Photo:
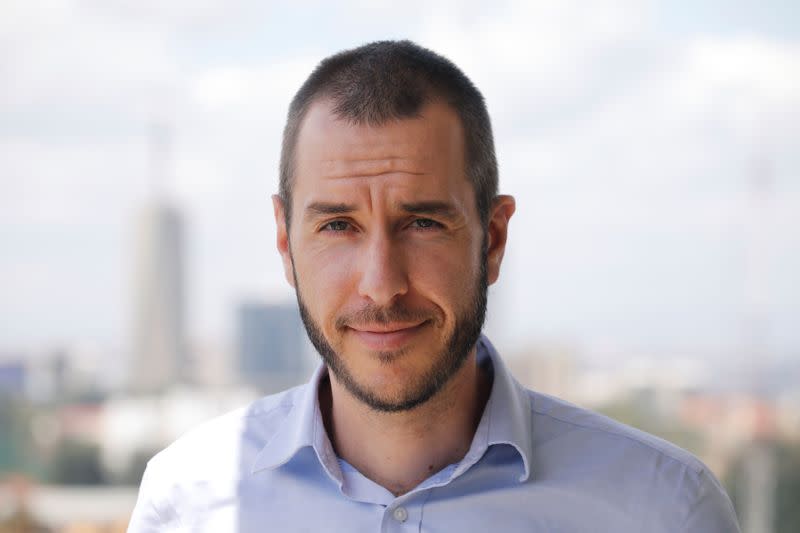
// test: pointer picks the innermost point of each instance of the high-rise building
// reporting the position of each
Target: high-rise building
(271, 345)
(159, 356)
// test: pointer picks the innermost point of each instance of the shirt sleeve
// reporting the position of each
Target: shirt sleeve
(712, 511)
(152, 512)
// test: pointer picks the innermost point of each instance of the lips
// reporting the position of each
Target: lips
(386, 337)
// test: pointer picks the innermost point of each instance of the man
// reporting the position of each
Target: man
(391, 229)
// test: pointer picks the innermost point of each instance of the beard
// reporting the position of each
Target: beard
(446, 363)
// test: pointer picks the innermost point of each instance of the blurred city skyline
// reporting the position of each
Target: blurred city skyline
(629, 132)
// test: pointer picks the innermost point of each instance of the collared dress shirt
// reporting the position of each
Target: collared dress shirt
(536, 464)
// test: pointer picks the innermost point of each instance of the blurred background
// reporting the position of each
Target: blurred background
(652, 270)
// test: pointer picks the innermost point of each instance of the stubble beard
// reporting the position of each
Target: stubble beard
(447, 363)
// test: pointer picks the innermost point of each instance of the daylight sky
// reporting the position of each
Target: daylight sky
(629, 132)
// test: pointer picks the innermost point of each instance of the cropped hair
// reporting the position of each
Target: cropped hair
(390, 80)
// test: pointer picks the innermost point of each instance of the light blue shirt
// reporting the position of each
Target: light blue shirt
(536, 464)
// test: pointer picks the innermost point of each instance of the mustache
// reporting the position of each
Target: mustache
(371, 314)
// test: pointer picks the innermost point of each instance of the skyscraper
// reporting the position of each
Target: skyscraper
(271, 345)
(159, 338)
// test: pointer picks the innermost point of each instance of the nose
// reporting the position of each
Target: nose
(383, 271)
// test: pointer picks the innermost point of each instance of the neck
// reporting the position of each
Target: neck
(407, 447)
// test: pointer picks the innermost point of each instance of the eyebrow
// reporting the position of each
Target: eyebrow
(325, 208)
(435, 207)
(442, 209)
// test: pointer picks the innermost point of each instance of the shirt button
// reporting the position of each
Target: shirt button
(400, 514)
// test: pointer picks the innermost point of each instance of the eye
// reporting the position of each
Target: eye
(425, 223)
(336, 226)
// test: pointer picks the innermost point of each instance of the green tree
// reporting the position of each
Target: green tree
(15, 437)
(787, 486)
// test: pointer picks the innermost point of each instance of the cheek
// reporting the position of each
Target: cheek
(325, 278)
(318, 262)
(445, 276)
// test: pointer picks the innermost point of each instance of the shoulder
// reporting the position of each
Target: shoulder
(207, 462)
(223, 445)
(626, 467)
(555, 417)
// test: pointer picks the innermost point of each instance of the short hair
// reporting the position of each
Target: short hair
(390, 80)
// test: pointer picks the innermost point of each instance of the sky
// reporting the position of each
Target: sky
(629, 132)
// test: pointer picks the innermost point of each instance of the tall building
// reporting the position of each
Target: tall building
(159, 356)
(271, 345)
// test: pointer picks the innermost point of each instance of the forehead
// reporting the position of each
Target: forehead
(423, 153)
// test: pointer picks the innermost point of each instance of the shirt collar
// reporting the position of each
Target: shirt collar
(302, 428)
(506, 420)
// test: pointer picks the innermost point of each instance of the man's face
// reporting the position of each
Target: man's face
(386, 252)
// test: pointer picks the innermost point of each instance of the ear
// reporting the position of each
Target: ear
(282, 238)
(497, 233)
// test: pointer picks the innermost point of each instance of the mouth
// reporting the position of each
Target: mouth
(386, 337)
